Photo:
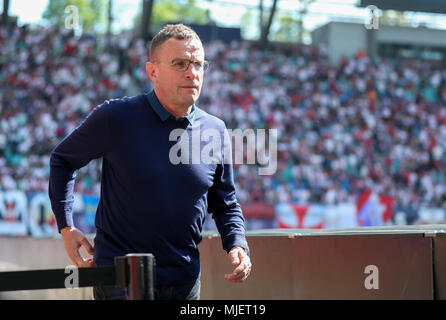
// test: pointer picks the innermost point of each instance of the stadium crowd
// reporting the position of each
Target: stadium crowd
(341, 128)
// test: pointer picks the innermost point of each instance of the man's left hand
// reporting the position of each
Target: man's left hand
(242, 263)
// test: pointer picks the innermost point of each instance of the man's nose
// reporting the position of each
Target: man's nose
(192, 71)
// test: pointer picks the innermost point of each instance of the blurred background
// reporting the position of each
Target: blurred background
(355, 88)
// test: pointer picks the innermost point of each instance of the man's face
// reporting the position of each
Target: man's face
(176, 89)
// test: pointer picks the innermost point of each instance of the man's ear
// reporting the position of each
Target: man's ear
(151, 70)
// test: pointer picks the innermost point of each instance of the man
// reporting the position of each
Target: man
(149, 204)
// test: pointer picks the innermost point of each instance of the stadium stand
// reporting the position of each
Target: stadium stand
(343, 128)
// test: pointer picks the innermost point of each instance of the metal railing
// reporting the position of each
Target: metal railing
(133, 272)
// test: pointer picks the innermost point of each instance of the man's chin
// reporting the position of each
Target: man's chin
(190, 100)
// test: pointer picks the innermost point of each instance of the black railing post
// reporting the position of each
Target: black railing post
(136, 273)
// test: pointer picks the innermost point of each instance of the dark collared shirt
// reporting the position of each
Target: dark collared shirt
(163, 113)
(147, 204)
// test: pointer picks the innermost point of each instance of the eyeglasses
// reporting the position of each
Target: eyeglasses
(183, 64)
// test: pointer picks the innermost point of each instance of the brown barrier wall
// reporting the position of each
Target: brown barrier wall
(325, 267)
(439, 265)
(362, 263)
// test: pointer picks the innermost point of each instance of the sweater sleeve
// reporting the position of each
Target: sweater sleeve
(223, 204)
(87, 142)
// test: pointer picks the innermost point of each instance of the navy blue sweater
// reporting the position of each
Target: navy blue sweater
(147, 203)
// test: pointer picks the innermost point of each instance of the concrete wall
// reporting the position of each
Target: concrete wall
(345, 39)
(414, 36)
(406, 263)
(340, 39)
(29, 254)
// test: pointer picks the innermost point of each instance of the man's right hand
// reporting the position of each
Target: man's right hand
(73, 239)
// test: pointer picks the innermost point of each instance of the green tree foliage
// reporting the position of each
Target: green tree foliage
(185, 11)
(249, 26)
(92, 13)
(286, 25)
(285, 29)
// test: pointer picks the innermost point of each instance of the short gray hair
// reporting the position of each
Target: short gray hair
(177, 31)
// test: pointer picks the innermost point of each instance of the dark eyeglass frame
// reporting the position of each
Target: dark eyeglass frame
(198, 65)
